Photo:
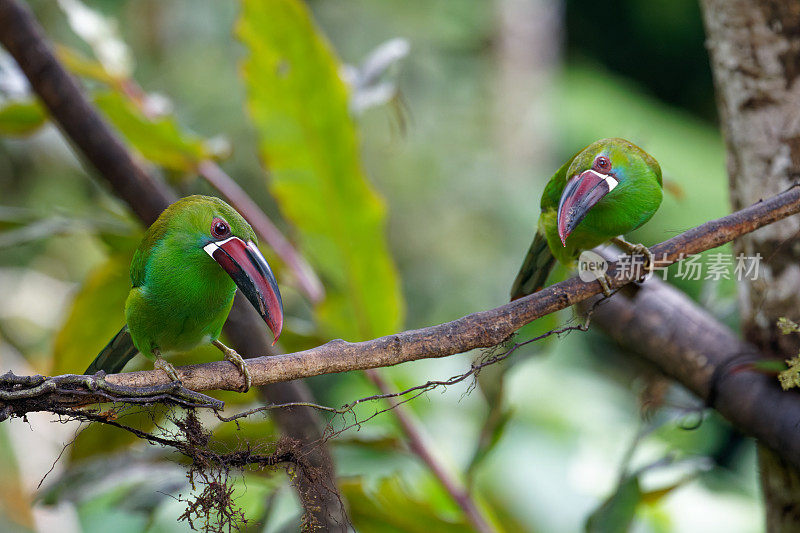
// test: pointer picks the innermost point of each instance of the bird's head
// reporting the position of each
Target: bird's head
(207, 224)
(607, 172)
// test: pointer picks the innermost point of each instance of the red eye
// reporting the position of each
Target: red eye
(602, 163)
(220, 228)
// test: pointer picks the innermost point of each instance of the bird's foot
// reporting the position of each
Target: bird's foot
(233, 356)
(166, 367)
(636, 249)
(605, 283)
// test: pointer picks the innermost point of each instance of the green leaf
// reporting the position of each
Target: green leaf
(389, 508)
(299, 105)
(159, 140)
(96, 315)
(21, 118)
(83, 66)
(618, 511)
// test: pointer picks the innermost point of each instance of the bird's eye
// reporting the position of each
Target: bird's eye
(220, 228)
(602, 164)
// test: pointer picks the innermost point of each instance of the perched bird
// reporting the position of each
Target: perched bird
(184, 276)
(606, 190)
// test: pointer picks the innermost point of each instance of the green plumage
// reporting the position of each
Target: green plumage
(180, 297)
(629, 205)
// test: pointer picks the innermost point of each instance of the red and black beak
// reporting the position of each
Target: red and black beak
(580, 195)
(251, 273)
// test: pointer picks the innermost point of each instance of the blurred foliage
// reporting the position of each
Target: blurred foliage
(389, 507)
(160, 139)
(21, 118)
(299, 104)
(15, 505)
(541, 444)
(97, 312)
(618, 511)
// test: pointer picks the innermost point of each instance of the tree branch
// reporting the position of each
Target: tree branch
(478, 330)
(665, 327)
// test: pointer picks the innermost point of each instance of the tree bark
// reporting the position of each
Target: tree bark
(754, 47)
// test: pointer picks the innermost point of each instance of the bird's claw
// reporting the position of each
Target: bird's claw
(237, 360)
(605, 283)
(166, 367)
(233, 356)
(635, 249)
(649, 259)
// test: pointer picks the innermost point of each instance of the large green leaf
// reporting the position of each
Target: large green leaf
(308, 139)
(21, 118)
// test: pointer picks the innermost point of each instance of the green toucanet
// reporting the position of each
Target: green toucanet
(606, 190)
(184, 276)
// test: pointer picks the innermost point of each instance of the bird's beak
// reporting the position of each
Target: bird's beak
(251, 273)
(580, 195)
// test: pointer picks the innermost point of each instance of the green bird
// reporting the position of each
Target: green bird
(184, 275)
(606, 190)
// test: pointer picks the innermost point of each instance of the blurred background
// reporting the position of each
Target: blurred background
(472, 107)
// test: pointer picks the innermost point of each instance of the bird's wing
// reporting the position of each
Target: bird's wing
(152, 237)
(535, 269)
(137, 268)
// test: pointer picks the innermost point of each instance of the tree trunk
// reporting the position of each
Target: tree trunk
(754, 47)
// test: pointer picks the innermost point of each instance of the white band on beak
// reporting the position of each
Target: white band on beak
(610, 181)
(211, 247)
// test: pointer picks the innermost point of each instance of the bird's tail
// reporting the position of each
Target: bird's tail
(115, 355)
(534, 271)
